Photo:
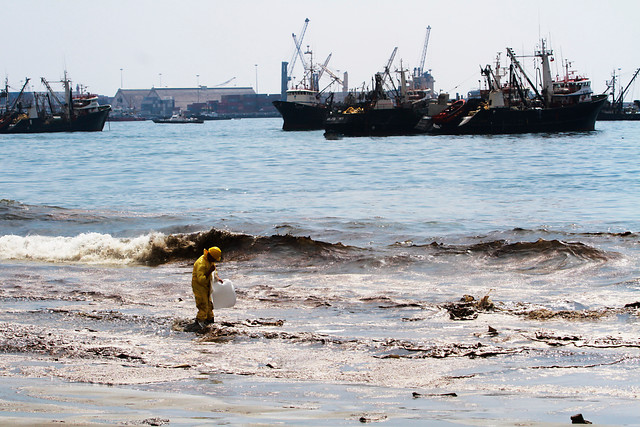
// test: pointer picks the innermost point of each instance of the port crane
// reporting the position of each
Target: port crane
(332, 74)
(313, 75)
(298, 52)
(226, 83)
(417, 72)
(323, 67)
(389, 63)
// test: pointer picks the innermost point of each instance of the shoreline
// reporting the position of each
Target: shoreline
(241, 400)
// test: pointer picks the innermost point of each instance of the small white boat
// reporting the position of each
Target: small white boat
(179, 118)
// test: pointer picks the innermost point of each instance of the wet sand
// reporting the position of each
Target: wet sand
(239, 401)
(252, 372)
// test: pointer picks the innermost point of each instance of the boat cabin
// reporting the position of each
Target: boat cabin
(303, 96)
(571, 90)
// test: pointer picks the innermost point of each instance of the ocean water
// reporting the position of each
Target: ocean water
(351, 259)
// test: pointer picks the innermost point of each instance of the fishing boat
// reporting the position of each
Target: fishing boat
(179, 119)
(616, 108)
(519, 106)
(46, 113)
(376, 115)
(125, 116)
(305, 106)
(380, 112)
(303, 110)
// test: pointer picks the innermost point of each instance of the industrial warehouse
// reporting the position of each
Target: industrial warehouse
(202, 101)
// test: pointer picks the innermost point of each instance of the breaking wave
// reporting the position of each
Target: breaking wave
(90, 248)
(541, 247)
(22, 223)
(157, 248)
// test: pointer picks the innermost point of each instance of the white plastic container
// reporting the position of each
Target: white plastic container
(223, 294)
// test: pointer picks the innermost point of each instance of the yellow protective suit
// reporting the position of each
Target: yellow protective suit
(201, 286)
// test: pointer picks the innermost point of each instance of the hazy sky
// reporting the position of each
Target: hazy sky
(170, 43)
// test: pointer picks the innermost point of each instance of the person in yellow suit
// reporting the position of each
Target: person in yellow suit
(203, 268)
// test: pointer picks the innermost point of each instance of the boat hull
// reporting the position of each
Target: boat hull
(86, 122)
(578, 117)
(297, 116)
(383, 122)
(609, 116)
(179, 122)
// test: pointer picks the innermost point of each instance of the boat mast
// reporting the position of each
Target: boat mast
(613, 87)
(497, 73)
(53, 95)
(566, 70)
(6, 93)
(547, 82)
(26, 81)
(493, 78)
(620, 99)
(67, 94)
(382, 77)
(515, 62)
(313, 85)
(403, 83)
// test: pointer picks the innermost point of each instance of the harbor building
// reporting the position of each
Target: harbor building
(202, 100)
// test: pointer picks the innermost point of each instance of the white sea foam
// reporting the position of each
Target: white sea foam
(90, 248)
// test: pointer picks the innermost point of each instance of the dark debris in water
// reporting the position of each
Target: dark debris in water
(155, 421)
(417, 395)
(224, 330)
(30, 339)
(557, 340)
(112, 352)
(263, 322)
(409, 350)
(372, 418)
(316, 302)
(467, 308)
(579, 419)
(108, 316)
(546, 314)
